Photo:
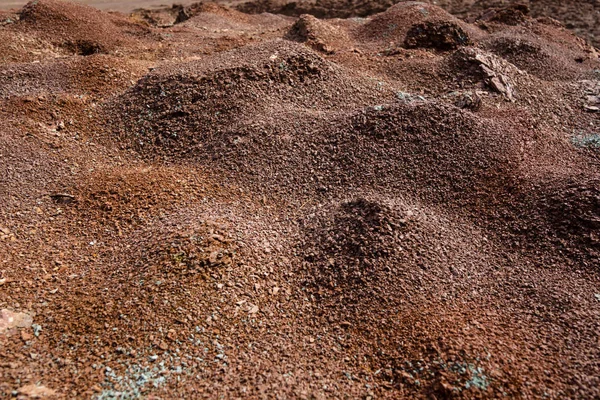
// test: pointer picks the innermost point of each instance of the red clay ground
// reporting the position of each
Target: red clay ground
(203, 203)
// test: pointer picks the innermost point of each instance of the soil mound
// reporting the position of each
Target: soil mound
(229, 89)
(381, 269)
(220, 20)
(425, 23)
(82, 75)
(514, 14)
(441, 36)
(582, 17)
(78, 28)
(369, 249)
(538, 56)
(425, 138)
(572, 208)
(319, 35)
(349, 243)
(317, 8)
(177, 13)
(16, 47)
(254, 206)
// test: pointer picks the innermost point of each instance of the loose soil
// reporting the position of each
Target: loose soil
(209, 201)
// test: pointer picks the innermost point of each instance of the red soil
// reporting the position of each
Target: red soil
(237, 205)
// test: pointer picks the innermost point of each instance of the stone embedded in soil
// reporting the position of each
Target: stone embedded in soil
(497, 74)
(437, 35)
(10, 319)
(470, 101)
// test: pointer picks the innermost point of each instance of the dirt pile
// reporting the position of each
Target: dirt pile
(318, 8)
(222, 96)
(317, 34)
(349, 246)
(79, 29)
(377, 268)
(416, 24)
(441, 36)
(581, 17)
(222, 204)
(81, 76)
(570, 208)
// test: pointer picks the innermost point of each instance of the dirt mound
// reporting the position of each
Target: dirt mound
(539, 56)
(15, 47)
(514, 14)
(579, 16)
(317, 8)
(384, 270)
(349, 243)
(378, 247)
(441, 36)
(254, 206)
(228, 90)
(317, 34)
(78, 28)
(82, 76)
(393, 25)
(367, 253)
(355, 149)
(572, 208)
(220, 19)
(176, 14)
(425, 139)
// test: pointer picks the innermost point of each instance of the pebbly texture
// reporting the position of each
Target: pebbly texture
(199, 202)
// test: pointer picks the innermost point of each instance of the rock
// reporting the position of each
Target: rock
(36, 392)
(591, 95)
(9, 320)
(26, 336)
(436, 35)
(470, 101)
(213, 258)
(37, 329)
(497, 73)
(172, 335)
(63, 198)
(96, 388)
(163, 346)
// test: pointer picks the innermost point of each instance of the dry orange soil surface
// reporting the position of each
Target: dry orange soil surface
(198, 202)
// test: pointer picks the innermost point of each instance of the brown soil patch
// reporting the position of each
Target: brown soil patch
(202, 202)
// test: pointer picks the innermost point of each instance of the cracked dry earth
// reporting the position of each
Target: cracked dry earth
(405, 205)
